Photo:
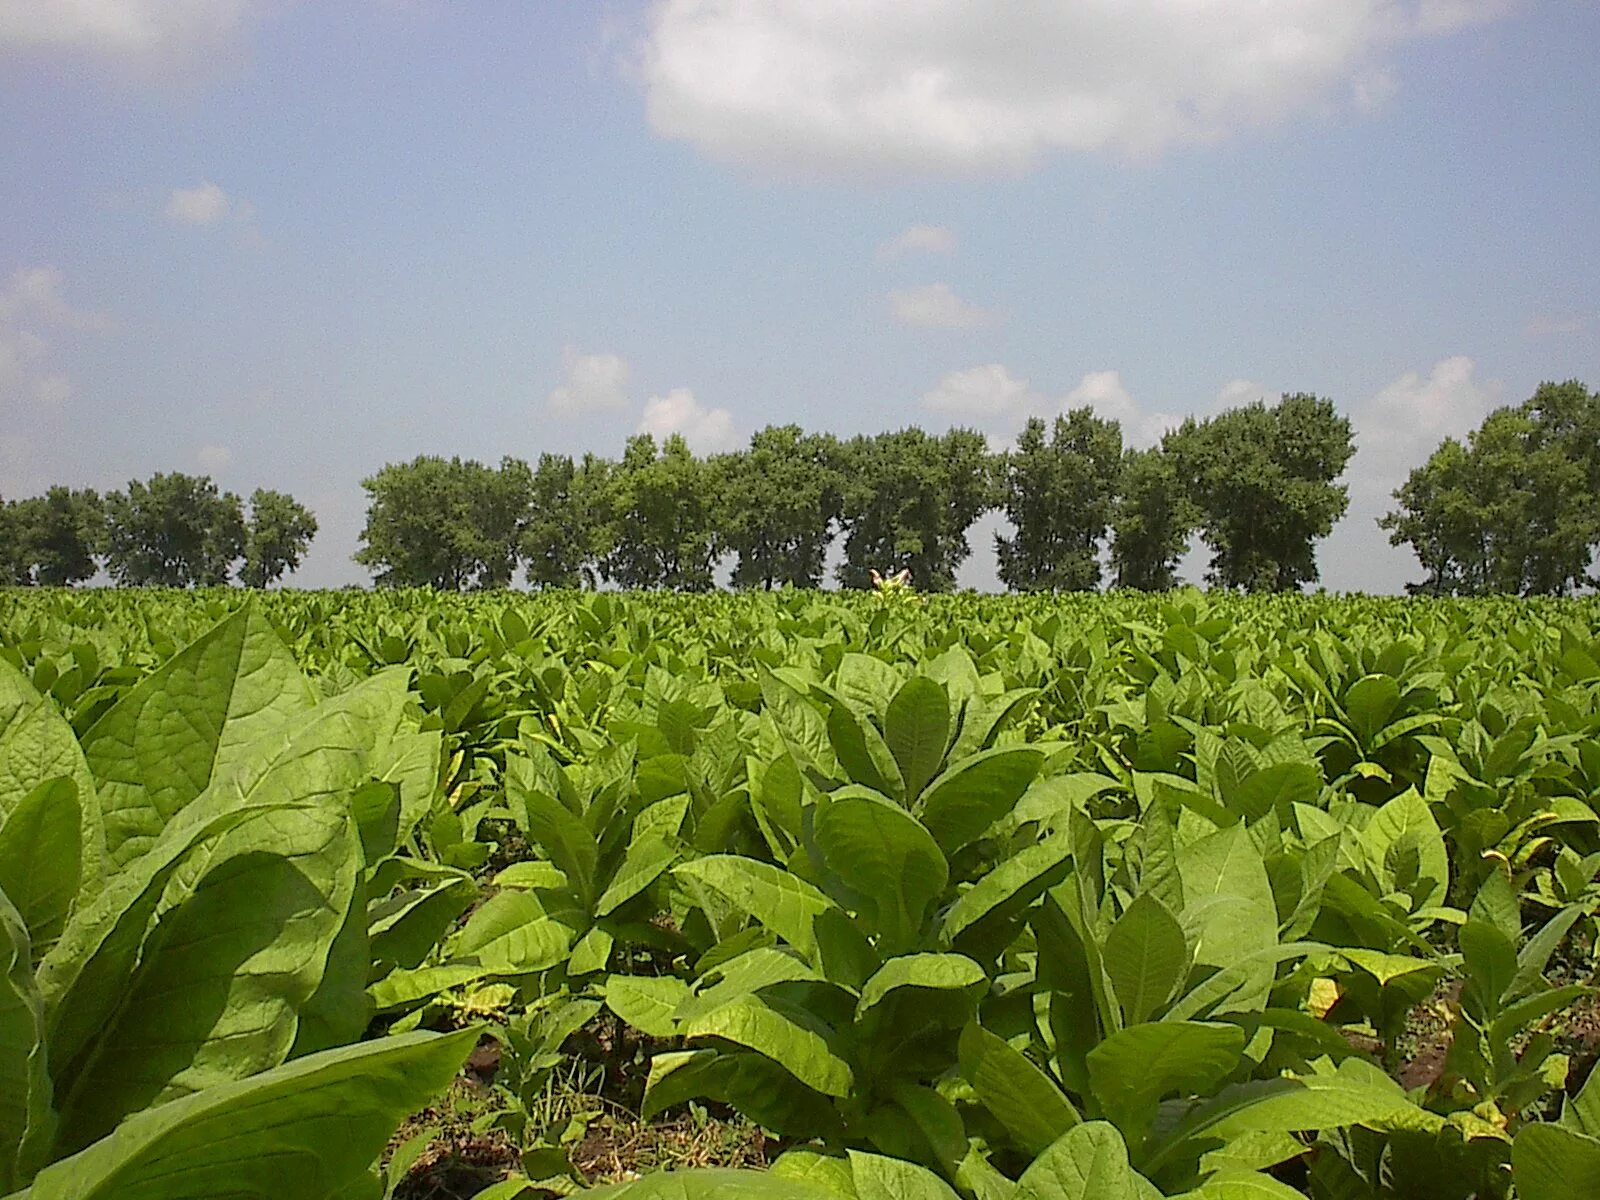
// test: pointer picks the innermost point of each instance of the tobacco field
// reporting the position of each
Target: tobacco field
(869, 897)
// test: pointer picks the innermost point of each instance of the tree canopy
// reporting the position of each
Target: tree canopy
(1060, 496)
(661, 518)
(441, 523)
(1263, 484)
(1516, 509)
(781, 501)
(1151, 522)
(174, 530)
(277, 537)
(909, 498)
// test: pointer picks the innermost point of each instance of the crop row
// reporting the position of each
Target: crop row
(1007, 898)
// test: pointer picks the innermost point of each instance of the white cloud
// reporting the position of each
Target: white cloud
(1446, 16)
(1400, 426)
(707, 430)
(985, 394)
(590, 381)
(936, 306)
(961, 86)
(203, 204)
(1396, 429)
(994, 399)
(145, 33)
(213, 458)
(36, 293)
(33, 299)
(1238, 392)
(919, 239)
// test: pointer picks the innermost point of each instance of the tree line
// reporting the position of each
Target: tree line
(1257, 483)
(1513, 509)
(172, 530)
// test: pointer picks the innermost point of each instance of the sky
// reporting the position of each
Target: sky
(283, 242)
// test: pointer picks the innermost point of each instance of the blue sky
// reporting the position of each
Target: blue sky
(286, 242)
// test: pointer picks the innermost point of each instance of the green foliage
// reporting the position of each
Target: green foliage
(909, 499)
(183, 903)
(780, 501)
(559, 540)
(1060, 497)
(660, 525)
(994, 898)
(1262, 482)
(276, 539)
(1515, 510)
(445, 524)
(173, 531)
(1152, 520)
(58, 537)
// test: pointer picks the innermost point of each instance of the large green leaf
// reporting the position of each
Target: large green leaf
(1134, 1068)
(309, 1129)
(555, 829)
(975, 792)
(785, 1033)
(1146, 956)
(1354, 1093)
(37, 745)
(1549, 1162)
(26, 1114)
(917, 730)
(936, 972)
(649, 1003)
(1088, 1162)
(1022, 1097)
(1369, 704)
(339, 1011)
(41, 845)
(323, 753)
(223, 974)
(642, 864)
(1405, 849)
(739, 976)
(888, 858)
(876, 1177)
(785, 904)
(215, 704)
(512, 935)
(84, 976)
(1010, 886)
(1243, 1185)
(752, 1083)
(1229, 914)
(862, 752)
(712, 1184)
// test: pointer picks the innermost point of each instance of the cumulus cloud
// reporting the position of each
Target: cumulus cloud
(707, 430)
(1402, 424)
(919, 239)
(936, 306)
(964, 86)
(995, 400)
(140, 33)
(203, 204)
(1237, 392)
(1396, 429)
(990, 393)
(590, 381)
(213, 458)
(38, 293)
(34, 299)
